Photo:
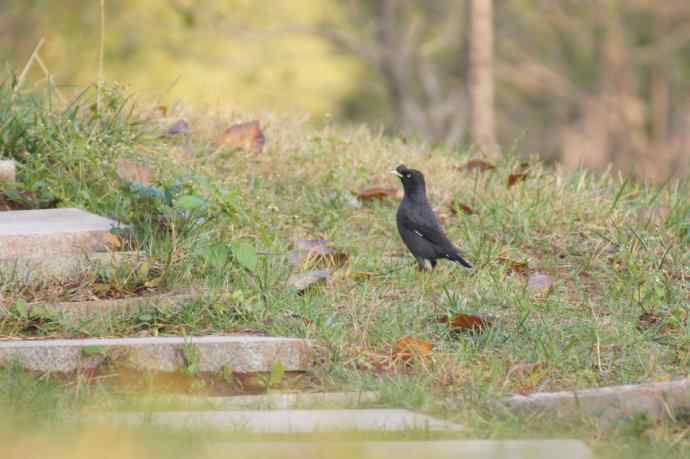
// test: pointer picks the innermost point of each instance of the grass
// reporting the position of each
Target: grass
(616, 249)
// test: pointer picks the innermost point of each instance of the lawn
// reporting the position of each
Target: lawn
(615, 252)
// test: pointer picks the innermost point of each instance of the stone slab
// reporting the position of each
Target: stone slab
(8, 170)
(273, 401)
(449, 449)
(109, 309)
(608, 404)
(48, 232)
(63, 267)
(288, 421)
(240, 354)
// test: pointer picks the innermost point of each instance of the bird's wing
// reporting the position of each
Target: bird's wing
(424, 224)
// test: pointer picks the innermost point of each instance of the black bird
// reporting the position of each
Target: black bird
(418, 226)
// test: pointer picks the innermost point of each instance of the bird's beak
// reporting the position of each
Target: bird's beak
(394, 172)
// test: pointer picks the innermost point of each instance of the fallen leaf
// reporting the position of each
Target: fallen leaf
(513, 266)
(316, 251)
(666, 321)
(520, 174)
(113, 241)
(455, 206)
(465, 322)
(521, 370)
(362, 275)
(247, 136)
(476, 165)
(540, 282)
(647, 320)
(129, 171)
(376, 192)
(305, 280)
(513, 179)
(179, 127)
(407, 348)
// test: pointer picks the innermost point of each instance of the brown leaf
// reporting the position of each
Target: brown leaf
(667, 321)
(179, 127)
(112, 241)
(302, 281)
(516, 178)
(476, 165)
(647, 320)
(407, 348)
(513, 266)
(466, 322)
(130, 171)
(456, 205)
(376, 192)
(540, 282)
(316, 251)
(247, 136)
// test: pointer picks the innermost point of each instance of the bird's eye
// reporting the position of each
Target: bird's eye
(408, 175)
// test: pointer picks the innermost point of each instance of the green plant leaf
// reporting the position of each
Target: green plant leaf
(277, 373)
(190, 202)
(21, 308)
(246, 256)
(93, 350)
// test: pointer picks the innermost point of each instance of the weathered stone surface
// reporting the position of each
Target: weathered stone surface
(450, 449)
(608, 404)
(109, 309)
(289, 421)
(7, 171)
(240, 354)
(49, 232)
(62, 267)
(269, 401)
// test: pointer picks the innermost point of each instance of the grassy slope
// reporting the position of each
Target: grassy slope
(615, 249)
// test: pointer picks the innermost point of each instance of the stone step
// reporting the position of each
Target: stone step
(61, 267)
(286, 421)
(8, 170)
(239, 354)
(608, 404)
(444, 449)
(272, 401)
(46, 233)
(109, 309)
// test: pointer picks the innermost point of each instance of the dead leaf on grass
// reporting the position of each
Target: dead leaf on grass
(456, 206)
(476, 165)
(514, 179)
(666, 321)
(130, 171)
(376, 192)
(521, 370)
(540, 282)
(520, 175)
(179, 127)
(408, 348)
(314, 252)
(303, 281)
(112, 241)
(513, 266)
(247, 136)
(466, 322)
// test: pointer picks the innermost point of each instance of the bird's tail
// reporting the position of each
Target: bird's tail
(457, 258)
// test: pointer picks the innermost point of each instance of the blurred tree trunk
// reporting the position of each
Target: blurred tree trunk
(480, 82)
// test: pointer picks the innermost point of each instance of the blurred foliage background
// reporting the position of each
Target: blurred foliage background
(593, 82)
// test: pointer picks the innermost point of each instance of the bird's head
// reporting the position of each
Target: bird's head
(412, 180)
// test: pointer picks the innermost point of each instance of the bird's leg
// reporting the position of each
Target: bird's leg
(421, 264)
(433, 263)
